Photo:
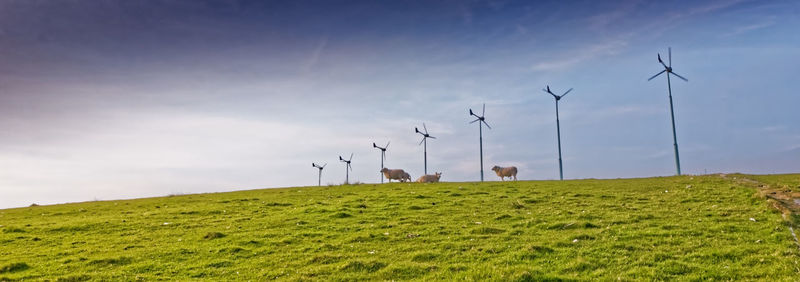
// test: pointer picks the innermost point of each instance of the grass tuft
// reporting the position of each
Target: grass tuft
(14, 267)
(74, 278)
(488, 230)
(13, 230)
(111, 261)
(220, 264)
(359, 266)
(424, 257)
(341, 215)
(213, 235)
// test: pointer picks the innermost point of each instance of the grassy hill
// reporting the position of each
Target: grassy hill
(701, 227)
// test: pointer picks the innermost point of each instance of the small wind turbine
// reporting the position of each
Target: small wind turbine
(425, 137)
(668, 70)
(383, 155)
(482, 120)
(319, 180)
(558, 128)
(348, 168)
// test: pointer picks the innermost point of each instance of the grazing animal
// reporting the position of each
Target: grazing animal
(430, 178)
(396, 174)
(504, 172)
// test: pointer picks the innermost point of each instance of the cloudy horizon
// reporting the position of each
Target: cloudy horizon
(120, 99)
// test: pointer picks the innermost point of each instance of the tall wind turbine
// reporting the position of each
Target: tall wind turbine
(383, 155)
(558, 129)
(348, 168)
(425, 137)
(481, 120)
(668, 70)
(319, 179)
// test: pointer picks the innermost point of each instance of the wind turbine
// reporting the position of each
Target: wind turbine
(425, 137)
(348, 168)
(383, 155)
(482, 120)
(319, 180)
(668, 70)
(558, 128)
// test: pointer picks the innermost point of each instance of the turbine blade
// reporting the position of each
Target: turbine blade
(387, 145)
(659, 73)
(431, 137)
(323, 166)
(351, 157)
(487, 124)
(565, 93)
(420, 141)
(426, 128)
(547, 90)
(474, 121)
(483, 113)
(681, 77)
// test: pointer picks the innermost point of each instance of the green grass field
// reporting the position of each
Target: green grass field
(670, 228)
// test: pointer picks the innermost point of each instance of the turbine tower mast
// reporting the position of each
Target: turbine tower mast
(383, 155)
(425, 137)
(668, 70)
(481, 121)
(347, 168)
(558, 129)
(319, 178)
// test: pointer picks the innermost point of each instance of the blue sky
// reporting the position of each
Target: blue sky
(120, 99)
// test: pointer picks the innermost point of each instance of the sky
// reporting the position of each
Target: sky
(104, 100)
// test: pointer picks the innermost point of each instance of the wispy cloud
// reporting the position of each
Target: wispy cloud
(773, 128)
(618, 111)
(712, 7)
(793, 147)
(751, 27)
(603, 20)
(314, 57)
(579, 55)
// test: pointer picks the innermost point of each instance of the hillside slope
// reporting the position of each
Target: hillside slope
(701, 227)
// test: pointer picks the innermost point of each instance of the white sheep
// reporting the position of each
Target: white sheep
(430, 178)
(397, 174)
(504, 172)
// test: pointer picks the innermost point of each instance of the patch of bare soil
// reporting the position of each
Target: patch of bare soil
(781, 198)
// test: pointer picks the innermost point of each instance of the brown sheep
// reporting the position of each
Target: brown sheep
(430, 178)
(504, 172)
(397, 174)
